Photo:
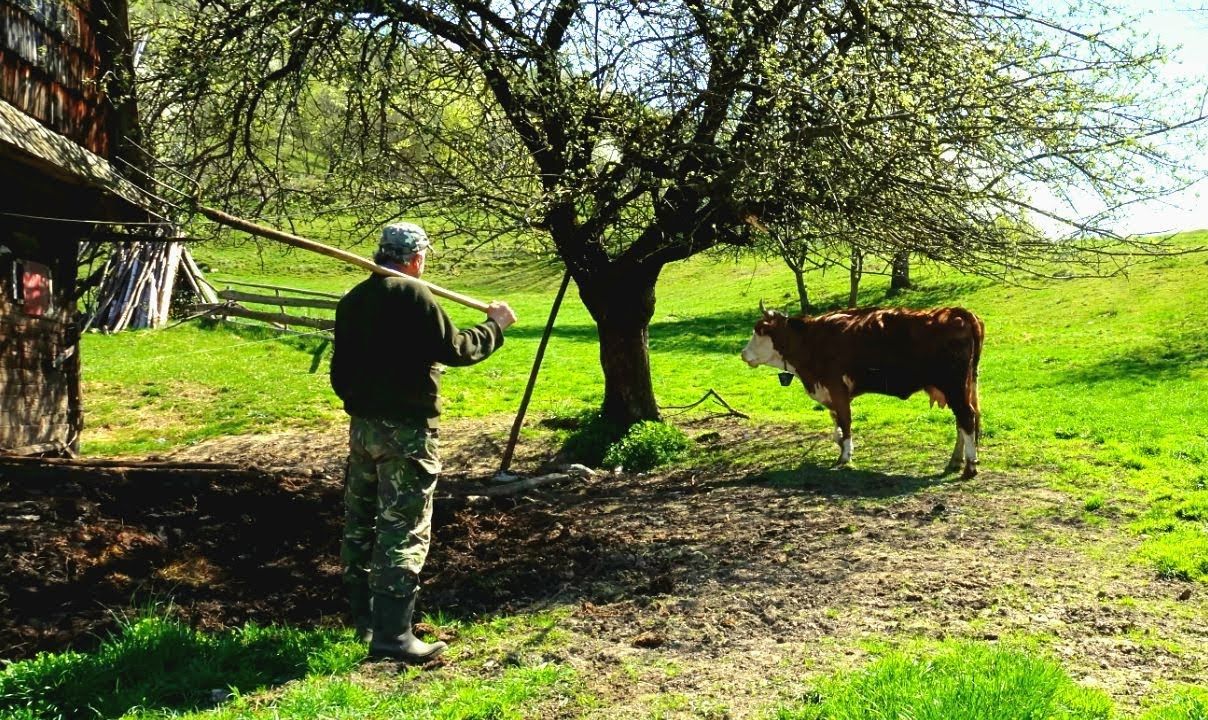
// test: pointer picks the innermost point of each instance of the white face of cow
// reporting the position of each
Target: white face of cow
(760, 351)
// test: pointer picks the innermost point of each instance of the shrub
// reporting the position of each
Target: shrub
(589, 437)
(645, 446)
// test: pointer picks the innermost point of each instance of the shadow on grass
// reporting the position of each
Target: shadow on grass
(719, 333)
(313, 342)
(159, 664)
(926, 296)
(922, 296)
(1168, 358)
(851, 482)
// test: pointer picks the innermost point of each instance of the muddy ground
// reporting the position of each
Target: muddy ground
(718, 585)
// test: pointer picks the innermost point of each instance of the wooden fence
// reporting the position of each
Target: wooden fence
(235, 302)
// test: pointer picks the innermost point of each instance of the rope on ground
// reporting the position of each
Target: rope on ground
(711, 393)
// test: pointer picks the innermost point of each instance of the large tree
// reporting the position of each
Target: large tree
(635, 133)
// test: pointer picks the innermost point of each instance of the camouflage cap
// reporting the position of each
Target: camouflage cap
(403, 239)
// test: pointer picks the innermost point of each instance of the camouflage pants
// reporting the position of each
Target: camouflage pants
(391, 478)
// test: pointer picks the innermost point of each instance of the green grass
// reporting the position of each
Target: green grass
(508, 697)
(1186, 703)
(954, 679)
(972, 681)
(157, 667)
(155, 663)
(147, 391)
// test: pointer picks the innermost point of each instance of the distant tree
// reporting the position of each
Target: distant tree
(899, 277)
(635, 133)
(855, 271)
(801, 249)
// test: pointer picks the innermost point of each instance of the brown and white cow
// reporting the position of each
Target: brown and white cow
(890, 351)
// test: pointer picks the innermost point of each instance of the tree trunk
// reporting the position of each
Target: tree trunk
(802, 292)
(625, 358)
(857, 270)
(900, 277)
(622, 309)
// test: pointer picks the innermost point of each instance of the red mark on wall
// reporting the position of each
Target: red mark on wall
(35, 288)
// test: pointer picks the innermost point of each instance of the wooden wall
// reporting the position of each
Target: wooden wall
(50, 68)
(61, 64)
(39, 353)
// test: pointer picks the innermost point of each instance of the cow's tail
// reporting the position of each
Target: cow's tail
(979, 336)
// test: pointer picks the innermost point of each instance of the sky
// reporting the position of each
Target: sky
(1182, 23)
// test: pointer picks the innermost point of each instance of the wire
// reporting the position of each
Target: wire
(150, 194)
(89, 222)
(167, 167)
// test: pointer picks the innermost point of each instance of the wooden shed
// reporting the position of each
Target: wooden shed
(59, 132)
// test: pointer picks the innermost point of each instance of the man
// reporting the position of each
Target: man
(391, 340)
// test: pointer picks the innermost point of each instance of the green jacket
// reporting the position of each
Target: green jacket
(391, 340)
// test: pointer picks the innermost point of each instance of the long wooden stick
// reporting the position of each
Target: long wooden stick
(532, 381)
(300, 242)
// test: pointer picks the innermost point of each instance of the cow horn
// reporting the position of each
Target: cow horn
(762, 309)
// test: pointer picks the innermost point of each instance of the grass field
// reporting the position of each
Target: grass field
(1100, 383)
(1094, 390)
(164, 669)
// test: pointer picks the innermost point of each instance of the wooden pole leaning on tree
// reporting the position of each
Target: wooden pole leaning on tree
(506, 463)
(247, 226)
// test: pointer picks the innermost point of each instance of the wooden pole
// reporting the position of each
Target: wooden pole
(300, 242)
(205, 291)
(281, 301)
(282, 288)
(268, 317)
(165, 292)
(532, 381)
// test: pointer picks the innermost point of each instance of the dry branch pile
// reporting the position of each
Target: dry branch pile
(138, 283)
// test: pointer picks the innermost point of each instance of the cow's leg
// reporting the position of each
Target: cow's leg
(958, 453)
(966, 434)
(841, 411)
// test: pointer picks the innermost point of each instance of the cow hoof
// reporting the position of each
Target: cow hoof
(969, 473)
(951, 468)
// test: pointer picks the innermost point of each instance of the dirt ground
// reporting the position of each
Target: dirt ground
(714, 585)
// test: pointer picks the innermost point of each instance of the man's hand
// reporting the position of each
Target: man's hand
(501, 313)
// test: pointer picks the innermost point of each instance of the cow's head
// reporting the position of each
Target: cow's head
(760, 350)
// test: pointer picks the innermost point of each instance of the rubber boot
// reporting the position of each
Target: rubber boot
(392, 635)
(361, 604)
